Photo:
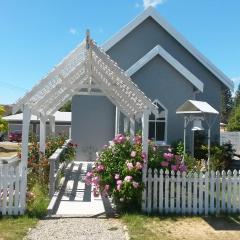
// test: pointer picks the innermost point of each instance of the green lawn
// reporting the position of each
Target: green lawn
(15, 228)
(178, 228)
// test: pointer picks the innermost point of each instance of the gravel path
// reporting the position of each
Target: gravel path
(78, 228)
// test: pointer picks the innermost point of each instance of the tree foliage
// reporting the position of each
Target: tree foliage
(234, 120)
(237, 97)
(227, 105)
(3, 123)
(67, 107)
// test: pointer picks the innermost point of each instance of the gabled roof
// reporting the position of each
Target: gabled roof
(193, 106)
(86, 70)
(158, 50)
(151, 12)
(59, 117)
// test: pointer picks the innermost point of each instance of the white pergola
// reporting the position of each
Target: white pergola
(87, 70)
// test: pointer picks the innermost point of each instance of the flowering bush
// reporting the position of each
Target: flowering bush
(118, 169)
(38, 164)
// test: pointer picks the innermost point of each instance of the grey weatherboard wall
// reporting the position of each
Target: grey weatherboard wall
(157, 79)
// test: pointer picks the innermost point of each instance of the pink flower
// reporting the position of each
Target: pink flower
(168, 156)
(135, 184)
(128, 178)
(138, 165)
(100, 168)
(144, 156)
(117, 176)
(138, 140)
(119, 182)
(119, 138)
(182, 168)
(95, 180)
(174, 167)
(129, 165)
(164, 164)
(87, 181)
(119, 187)
(133, 154)
(89, 174)
(154, 148)
(178, 158)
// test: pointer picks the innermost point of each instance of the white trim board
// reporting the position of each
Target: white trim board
(151, 12)
(158, 50)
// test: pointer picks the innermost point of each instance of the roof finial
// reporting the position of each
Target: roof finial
(87, 38)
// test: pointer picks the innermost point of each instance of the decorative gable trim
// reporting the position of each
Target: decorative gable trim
(151, 12)
(158, 50)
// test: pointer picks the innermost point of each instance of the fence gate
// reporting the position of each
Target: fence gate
(12, 194)
(192, 193)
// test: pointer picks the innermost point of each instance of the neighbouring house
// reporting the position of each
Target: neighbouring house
(163, 67)
(62, 121)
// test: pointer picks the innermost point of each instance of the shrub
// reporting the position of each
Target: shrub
(37, 201)
(118, 169)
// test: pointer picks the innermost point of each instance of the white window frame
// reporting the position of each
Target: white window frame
(164, 142)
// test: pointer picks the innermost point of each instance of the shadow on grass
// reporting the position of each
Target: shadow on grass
(224, 223)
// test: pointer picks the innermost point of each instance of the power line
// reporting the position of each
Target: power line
(12, 86)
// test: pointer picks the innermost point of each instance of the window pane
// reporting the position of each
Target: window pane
(151, 133)
(152, 117)
(160, 131)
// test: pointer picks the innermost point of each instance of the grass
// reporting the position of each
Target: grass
(181, 228)
(16, 228)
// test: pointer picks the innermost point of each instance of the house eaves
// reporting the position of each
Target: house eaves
(151, 12)
(158, 50)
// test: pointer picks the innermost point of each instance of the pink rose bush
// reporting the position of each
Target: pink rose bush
(118, 169)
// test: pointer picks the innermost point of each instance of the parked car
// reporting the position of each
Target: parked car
(15, 136)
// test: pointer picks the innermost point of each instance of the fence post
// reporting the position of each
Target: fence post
(200, 195)
(178, 196)
(166, 203)
(206, 194)
(155, 188)
(160, 207)
(223, 202)
(149, 197)
(172, 191)
(217, 192)
(195, 196)
(234, 194)
(183, 192)
(229, 191)
(189, 194)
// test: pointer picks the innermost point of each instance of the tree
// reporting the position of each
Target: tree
(67, 107)
(234, 120)
(237, 97)
(3, 123)
(227, 105)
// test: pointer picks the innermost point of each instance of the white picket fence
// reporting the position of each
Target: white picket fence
(192, 193)
(10, 188)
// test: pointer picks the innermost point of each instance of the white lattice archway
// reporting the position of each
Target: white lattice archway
(88, 70)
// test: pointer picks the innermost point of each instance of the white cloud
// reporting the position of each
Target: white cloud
(153, 3)
(73, 31)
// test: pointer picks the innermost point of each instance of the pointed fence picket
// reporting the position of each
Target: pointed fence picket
(193, 193)
(10, 180)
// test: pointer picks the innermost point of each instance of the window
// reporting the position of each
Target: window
(158, 125)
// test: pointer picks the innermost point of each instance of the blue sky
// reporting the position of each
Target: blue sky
(36, 35)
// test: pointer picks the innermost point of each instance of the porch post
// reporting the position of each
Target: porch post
(145, 126)
(126, 125)
(42, 134)
(132, 128)
(117, 120)
(52, 125)
(24, 156)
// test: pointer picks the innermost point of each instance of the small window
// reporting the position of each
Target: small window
(157, 124)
